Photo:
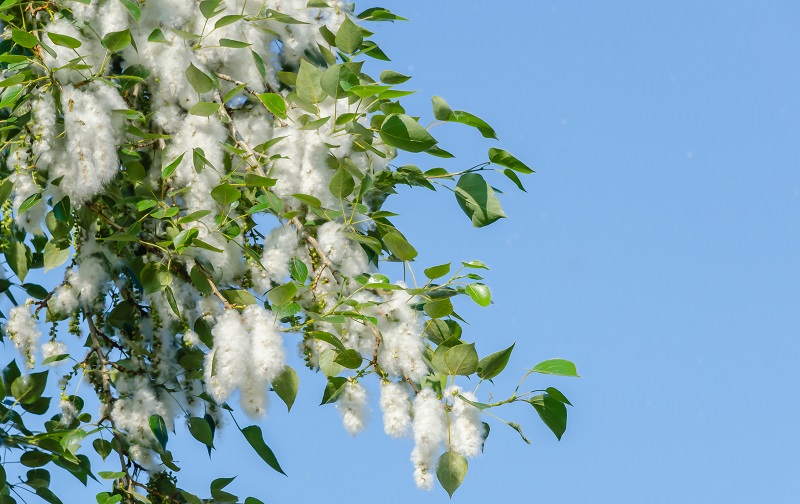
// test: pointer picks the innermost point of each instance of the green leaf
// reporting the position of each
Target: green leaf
(336, 77)
(403, 132)
(111, 474)
(391, 77)
(200, 429)
(309, 88)
(479, 293)
(492, 365)
(29, 388)
(117, 41)
(438, 330)
(253, 180)
(18, 257)
(157, 36)
(201, 82)
(64, 40)
(256, 440)
(286, 386)
(5, 190)
(133, 9)
(225, 194)
(350, 359)
(167, 170)
(475, 265)
(552, 412)
(439, 308)
(558, 367)
(275, 103)
(557, 395)
(159, 429)
(24, 38)
(441, 110)
(47, 495)
(397, 245)
(349, 37)
(102, 447)
(508, 172)
(226, 20)
(333, 389)
(155, 277)
(298, 270)
(208, 8)
(328, 338)
(342, 183)
(461, 360)
(239, 297)
(35, 458)
(204, 109)
(380, 14)
(55, 255)
(503, 158)
(439, 271)
(29, 202)
(451, 470)
(477, 199)
(282, 294)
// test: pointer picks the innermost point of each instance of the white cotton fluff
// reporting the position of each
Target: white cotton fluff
(168, 63)
(396, 407)
(53, 349)
(203, 133)
(430, 429)
(92, 278)
(24, 187)
(46, 147)
(297, 38)
(131, 412)
(226, 362)
(65, 297)
(92, 138)
(279, 247)
(352, 404)
(23, 332)
(266, 344)
(89, 53)
(346, 254)
(247, 356)
(111, 17)
(68, 412)
(466, 428)
(167, 13)
(400, 352)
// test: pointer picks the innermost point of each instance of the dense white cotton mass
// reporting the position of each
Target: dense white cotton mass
(352, 404)
(430, 430)
(53, 349)
(92, 134)
(279, 247)
(24, 187)
(396, 407)
(466, 428)
(23, 332)
(247, 356)
(89, 53)
(131, 412)
(45, 146)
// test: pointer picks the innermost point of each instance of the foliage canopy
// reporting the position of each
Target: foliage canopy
(206, 180)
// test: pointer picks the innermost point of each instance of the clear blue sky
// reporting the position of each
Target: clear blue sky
(657, 247)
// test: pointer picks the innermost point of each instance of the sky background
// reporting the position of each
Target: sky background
(657, 247)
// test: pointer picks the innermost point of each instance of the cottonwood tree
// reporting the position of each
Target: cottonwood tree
(207, 186)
